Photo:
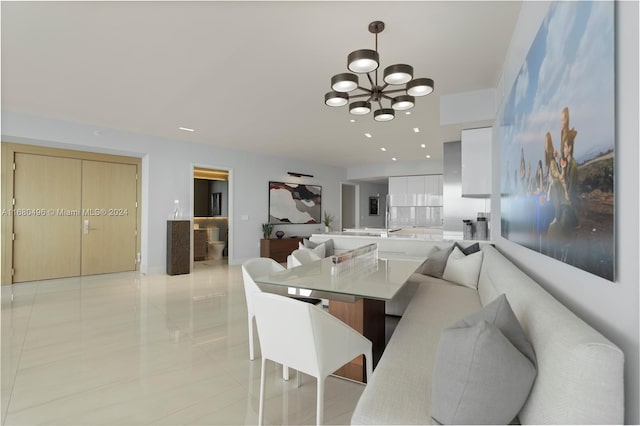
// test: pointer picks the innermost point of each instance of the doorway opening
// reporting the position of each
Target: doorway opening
(211, 207)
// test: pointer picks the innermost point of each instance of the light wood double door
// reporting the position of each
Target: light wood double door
(73, 217)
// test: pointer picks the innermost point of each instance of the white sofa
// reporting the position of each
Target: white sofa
(580, 372)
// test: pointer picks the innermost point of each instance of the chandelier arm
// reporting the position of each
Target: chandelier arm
(380, 103)
(395, 91)
(370, 80)
(386, 97)
(361, 95)
(365, 89)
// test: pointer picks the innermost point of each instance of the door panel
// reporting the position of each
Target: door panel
(109, 217)
(47, 217)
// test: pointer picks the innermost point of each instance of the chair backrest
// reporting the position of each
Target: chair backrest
(254, 268)
(305, 338)
(302, 256)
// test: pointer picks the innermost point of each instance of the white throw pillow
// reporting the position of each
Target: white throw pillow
(463, 270)
(318, 250)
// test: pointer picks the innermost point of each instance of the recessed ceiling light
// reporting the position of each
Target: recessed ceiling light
(423, 146)
(383, 149)
(368, 135)
(186, 129)
(394, 158)
(428, 156)
(408, 112)
(416, 130)
(352, 120)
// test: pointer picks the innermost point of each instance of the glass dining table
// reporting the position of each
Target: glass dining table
(357, 290)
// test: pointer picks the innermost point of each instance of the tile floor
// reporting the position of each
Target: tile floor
(130, 349)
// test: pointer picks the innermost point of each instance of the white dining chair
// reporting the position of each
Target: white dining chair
(251, 269)
(301, 257)
(307, 339)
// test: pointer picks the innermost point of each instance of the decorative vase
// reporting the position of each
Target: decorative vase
(279, 234)
(327, 229)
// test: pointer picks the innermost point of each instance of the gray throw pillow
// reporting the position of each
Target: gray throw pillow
(436, 262)
(479, 377)
(473, 248)
(500, 314)
(328, 246)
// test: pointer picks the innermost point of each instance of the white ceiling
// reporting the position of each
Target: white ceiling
(247, 75)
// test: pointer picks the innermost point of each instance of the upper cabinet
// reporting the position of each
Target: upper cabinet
(476, 162)
(425, 190)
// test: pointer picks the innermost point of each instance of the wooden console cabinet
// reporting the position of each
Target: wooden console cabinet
(278, 250)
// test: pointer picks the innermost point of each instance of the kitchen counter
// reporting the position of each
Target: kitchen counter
(429, 234)
(396, 243)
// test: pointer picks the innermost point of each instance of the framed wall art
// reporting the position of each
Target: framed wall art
(374, 206)
(557, 140)
(294, 203)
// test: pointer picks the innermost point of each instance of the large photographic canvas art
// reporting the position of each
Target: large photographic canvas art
(557, 133)
(294, 203)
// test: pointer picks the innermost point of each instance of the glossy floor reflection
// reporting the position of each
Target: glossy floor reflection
(130, 349)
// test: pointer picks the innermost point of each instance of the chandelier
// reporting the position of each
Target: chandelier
(365, 61)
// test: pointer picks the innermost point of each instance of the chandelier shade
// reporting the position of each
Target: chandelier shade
(336, 98)
(420, 87)
(360, 108)
(345, 82)
(384, 114)
(398, 74)
(363, 61)
(398, 88)
(403, 103)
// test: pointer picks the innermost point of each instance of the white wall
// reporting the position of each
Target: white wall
(431, 166)
(610, 307)
(168, 175)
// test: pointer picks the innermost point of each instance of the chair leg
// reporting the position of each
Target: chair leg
(251, 354)
(320, 401)
(285, 372)
(369, 364)
(298, 374)
(262, 385)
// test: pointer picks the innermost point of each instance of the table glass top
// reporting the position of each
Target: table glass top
(372, 279)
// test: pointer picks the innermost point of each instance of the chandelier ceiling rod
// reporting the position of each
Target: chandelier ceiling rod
(365, 61)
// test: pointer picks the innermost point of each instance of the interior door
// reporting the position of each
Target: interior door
(47, 217)
(348, 206)
(109, 192)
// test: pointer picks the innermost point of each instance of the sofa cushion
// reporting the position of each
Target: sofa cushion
(470, 249)
(400, 389)
(479, 377)
(463, 270)
(328, 246)
(436, 262)
(500, 314)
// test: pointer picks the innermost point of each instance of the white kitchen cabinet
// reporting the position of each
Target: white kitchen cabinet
(398, 191)
(433, 190)
(415, 191)
(476, 162)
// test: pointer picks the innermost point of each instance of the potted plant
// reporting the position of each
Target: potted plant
(328, 218)
(267, 229)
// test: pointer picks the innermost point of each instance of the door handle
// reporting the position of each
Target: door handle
(86, 228)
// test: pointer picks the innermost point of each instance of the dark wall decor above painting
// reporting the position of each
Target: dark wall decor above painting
(557, 133)
(294, 203)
